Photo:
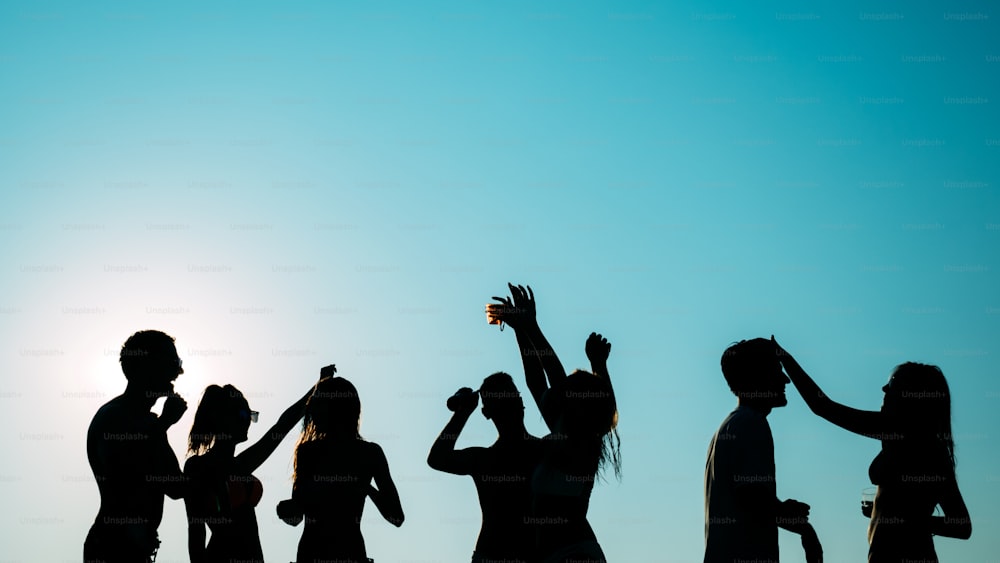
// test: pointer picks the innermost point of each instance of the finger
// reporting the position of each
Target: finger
(531, 294)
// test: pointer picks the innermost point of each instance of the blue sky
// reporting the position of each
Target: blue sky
(282, 186)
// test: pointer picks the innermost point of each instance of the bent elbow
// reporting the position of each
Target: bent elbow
(434, 462)
(965, 531)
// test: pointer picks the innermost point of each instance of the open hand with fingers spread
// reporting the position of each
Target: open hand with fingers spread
(518, 310)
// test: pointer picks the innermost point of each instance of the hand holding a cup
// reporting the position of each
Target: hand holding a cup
(518, 310)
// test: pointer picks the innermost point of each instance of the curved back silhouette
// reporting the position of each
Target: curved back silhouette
(334, 469)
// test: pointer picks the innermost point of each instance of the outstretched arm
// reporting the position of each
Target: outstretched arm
(384, 493)
(251, 458)
(443, 456)
(865, 423)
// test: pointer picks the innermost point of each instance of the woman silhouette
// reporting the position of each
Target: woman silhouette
(224, 491)
(581, 413)
(334, 468)
(914, 472)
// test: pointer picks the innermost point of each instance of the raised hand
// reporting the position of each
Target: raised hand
(518, 310)
(598, 349)
(290, 512)
(464, 401)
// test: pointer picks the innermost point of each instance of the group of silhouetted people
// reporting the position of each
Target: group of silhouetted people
(534, 492)
(914, 472)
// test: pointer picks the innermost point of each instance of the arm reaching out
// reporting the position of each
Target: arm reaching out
(251, 458)
(865, 423)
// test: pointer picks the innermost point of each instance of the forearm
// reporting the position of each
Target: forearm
(252, 458)
(815, 399)
(196, 543)
(291, 416)
(553, 368)
(388, 505)
(950, 527)
(534, 373)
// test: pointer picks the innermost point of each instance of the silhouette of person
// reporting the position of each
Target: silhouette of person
(502, 472)
(742, 510)
(129, 454)
(223, 491)
(334, 468)
(914, 472)
(581, 413)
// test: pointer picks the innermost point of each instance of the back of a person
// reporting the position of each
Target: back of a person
(340, 473)
(561, 488)
(121, 457)
(734, 531)
(504, 487)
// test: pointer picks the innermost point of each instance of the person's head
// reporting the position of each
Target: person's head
(753, 371)
(918, 401)
(588, 415)
(333, 409)
(150, 362)
(501, 400)
(223, 415)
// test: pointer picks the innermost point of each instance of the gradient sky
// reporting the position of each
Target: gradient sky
(285, 185)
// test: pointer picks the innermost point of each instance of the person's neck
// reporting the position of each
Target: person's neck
(510, 432)
(758, 406)
(224, 449)
(138, 398)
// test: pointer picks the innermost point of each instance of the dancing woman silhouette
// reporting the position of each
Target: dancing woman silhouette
(334, 469)
(581, 413)
(224, 491)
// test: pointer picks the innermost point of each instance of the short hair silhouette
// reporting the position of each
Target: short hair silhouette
(145, 351)
(500, 396)
(745, 362)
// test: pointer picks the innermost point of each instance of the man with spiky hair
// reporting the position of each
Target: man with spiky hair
(128, 452)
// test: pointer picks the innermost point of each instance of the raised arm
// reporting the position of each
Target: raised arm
(598, 349)
(542, 368)
(443, 456)
(866, 423)
(384, 493)
(251, 458)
